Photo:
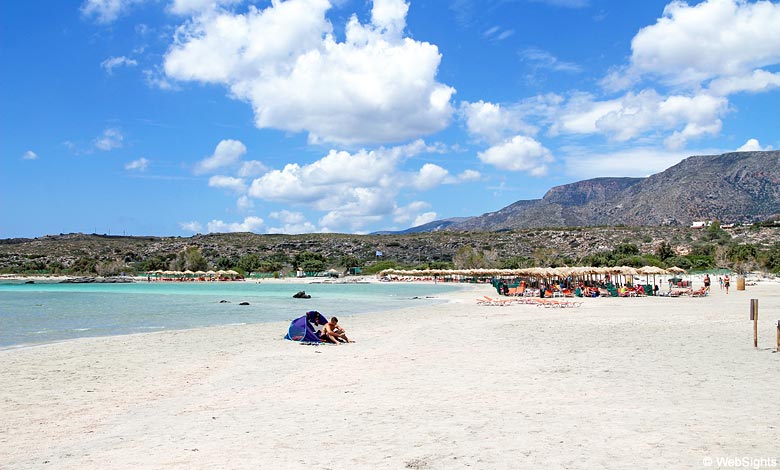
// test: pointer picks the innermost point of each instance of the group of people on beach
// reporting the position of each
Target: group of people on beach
(724, 282)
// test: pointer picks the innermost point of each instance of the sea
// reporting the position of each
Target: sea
(49, 312)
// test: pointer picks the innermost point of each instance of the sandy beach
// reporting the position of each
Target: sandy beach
(617, 383)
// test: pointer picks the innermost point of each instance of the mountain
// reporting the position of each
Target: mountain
(434, 226)
(733, 187)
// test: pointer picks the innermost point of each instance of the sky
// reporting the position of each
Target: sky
(177, 117)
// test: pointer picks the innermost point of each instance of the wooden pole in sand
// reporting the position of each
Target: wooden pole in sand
(754, 317)
(778, 336)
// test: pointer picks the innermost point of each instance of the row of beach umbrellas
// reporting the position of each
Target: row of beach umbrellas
(560, 272)
(229, 272)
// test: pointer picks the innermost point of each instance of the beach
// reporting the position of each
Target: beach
(616, 383)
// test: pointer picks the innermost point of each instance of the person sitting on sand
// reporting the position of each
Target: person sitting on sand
(333, 333)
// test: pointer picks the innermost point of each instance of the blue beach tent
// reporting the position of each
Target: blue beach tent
(303, 329)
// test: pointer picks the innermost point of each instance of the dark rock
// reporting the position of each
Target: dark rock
(244, 303)
(301, 295)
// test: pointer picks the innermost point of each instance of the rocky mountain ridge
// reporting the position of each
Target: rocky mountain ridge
(732, 187)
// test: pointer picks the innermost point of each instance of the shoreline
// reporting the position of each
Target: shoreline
(616, 383)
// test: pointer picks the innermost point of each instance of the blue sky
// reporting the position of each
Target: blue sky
(175, 117)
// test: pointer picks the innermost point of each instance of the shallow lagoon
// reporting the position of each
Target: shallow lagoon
(42, 313)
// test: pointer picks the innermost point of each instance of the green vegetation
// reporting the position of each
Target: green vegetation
(741, 249)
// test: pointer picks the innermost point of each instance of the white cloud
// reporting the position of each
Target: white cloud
(376, 86)
(756, 82)
(424, 218)
(113, 62)
(245, 203)
(496, 33)
(29, 155)
(752, 145)
(430, 176)
(138, 165)
(492, 122)
(541, 59)
(583, 163)
(112, 138)
(192, 7)
(106, 11)
(227, 153)
(520, 153)
(249, 224)
(251, 169)
(337, 178)
(470, 175)
(157, 79)
(414, 214)
(714, 38)
(292, 223)
(636, 114)
(194, 227)
(228, 182)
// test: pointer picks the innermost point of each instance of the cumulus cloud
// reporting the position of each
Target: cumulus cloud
(113, 62)
(292, 223)
(227, 153)
(251, 169)
(424, 218)
(228, 182)
(635, 114)
(352, 189)
(336, 178)
(756, 82)
(492, 122)
(414, 214)
(430, 176)
(194, 227)
(245, 203)
(29, 155)
(111, 138)
(519, 153)
(138, 165)
(691, 44)
(249, 224)
(376, 86)
(106, 11)
(470, 175)
(752, 145)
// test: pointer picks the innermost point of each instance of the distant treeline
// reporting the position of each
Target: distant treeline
(713, 248)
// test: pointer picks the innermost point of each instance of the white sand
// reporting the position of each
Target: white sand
(618, 383)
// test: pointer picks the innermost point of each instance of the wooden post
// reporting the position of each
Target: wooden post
(778, 336)
(754, 317)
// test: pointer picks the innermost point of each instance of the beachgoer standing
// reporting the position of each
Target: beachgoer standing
(720, 280)
(707, 282)
(726, 282)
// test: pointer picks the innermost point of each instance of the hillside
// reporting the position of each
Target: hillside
(68, 250)
(733, 187)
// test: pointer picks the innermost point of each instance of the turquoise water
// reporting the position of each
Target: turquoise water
(43, 313)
